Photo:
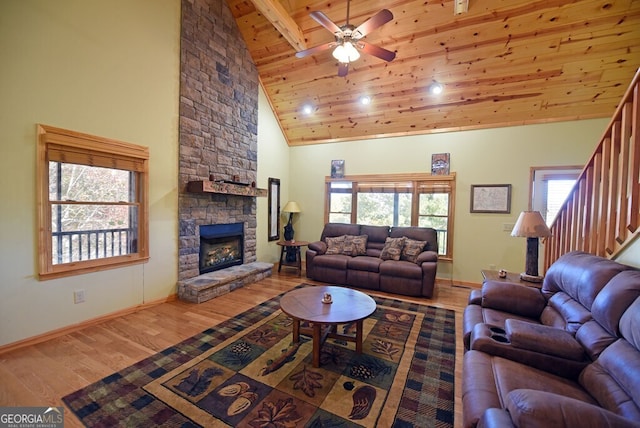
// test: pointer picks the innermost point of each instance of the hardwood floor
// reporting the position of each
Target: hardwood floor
(41, 374)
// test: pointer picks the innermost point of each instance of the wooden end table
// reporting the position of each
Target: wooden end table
(296, 246)
(511, 277)
(305, 304)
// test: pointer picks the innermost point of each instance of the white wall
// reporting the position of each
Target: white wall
(108, 68)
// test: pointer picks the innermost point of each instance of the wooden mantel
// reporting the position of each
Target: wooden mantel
(206, 186)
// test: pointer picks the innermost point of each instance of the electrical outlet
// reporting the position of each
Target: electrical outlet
(78, 296)
(507, 227)
(492, 267)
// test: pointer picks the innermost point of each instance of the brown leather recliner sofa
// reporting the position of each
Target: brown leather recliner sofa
(410, 272)
(565, 355)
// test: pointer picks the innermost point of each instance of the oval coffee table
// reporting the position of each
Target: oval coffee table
(305, 304)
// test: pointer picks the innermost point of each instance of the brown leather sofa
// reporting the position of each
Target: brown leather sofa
(565, 355)
(411, 275)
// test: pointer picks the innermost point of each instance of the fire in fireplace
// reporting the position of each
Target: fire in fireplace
(221, 246)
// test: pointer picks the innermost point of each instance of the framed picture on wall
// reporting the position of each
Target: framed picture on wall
(337, 168)
(274, 209)
(440, 164)
(491, 198)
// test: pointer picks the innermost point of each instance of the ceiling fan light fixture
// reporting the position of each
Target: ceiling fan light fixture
(346, 53)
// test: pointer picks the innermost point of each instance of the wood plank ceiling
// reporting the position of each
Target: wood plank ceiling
(502, 63)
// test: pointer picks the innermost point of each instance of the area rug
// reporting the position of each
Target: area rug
(246, 372)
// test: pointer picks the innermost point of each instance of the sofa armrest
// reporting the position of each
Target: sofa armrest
(319, 247)
(495, 418)
(493, 340)
(529, 408)
(427, 256)
(543, 339)
(475, 297)
(513, 298)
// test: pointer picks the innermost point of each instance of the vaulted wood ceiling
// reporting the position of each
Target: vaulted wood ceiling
(503, 62)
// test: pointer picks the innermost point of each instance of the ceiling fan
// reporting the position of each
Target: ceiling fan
(348, 40)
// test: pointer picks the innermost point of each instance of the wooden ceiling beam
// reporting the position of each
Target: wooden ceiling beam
(282, 21)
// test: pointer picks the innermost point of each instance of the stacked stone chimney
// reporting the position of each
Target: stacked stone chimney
(218, 126)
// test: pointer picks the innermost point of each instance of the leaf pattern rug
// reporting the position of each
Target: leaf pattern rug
(246, 372)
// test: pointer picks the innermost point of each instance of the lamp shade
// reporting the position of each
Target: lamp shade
(530, 224)
(291, 207)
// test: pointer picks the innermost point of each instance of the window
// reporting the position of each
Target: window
(93, 209)
(550, 187)
(395, 200)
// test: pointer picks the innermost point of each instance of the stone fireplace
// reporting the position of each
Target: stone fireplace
(221, 246)
(218, 133)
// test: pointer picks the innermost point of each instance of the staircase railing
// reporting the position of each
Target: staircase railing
(602, 212)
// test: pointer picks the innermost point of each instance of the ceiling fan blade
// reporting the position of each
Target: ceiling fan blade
(324, 20)
(315, 49)
(343, 69)
(376, 51)
(372, 23)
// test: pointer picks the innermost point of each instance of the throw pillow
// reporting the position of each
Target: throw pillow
(335, 245)
(355, 245)
(392, 248)
(412, 249)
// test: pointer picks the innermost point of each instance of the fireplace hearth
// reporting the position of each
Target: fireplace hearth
(221, 246)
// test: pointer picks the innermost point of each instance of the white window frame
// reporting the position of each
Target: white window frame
(539, 178)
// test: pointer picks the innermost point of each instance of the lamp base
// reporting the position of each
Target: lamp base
(531, 278)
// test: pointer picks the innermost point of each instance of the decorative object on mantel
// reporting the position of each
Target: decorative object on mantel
(531, 225)
(226, 188)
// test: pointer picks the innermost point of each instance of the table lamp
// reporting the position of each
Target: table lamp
(291, 207)
(531, 225)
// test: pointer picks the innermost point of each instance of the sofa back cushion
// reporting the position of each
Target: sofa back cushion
(614, 299)
(562, 311)
(376, 236)
(427, 234)
(581, 276)
(614, 378)
(338, 229)
(607, 310)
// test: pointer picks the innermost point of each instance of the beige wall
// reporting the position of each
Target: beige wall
(108, 68)
(492, 156)
(273, 161)
(112, 69)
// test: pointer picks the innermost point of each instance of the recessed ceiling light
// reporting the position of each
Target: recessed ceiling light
(365, 100)
(307, 109)
(436, 88)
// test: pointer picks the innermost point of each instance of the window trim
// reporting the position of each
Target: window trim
(415, 179)
(125, 156)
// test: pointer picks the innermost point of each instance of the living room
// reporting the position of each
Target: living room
(114, 70)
